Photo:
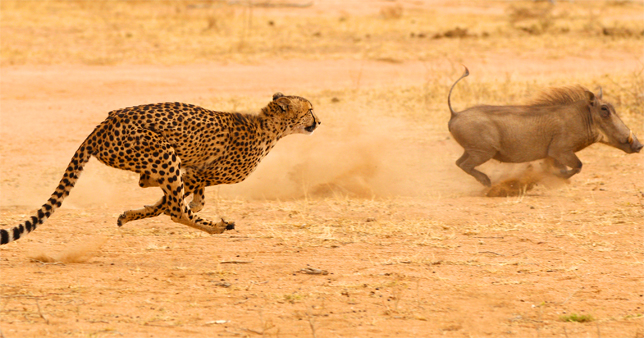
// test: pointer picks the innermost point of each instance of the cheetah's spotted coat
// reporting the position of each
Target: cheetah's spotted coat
(182, 149)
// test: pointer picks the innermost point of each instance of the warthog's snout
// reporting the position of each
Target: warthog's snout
(637, 148)
(635, 145)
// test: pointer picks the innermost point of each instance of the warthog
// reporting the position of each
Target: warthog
(556, 125)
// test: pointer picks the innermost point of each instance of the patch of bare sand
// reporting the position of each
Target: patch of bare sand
(418, 261)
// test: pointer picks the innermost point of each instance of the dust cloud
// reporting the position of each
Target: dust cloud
(75, 253)
(356, 157)
(379, 157)
(517, 179)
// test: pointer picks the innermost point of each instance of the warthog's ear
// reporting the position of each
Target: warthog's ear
(277, 96)
(591, 98)
(600, 92)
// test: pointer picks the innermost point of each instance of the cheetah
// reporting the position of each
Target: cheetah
(182, 149)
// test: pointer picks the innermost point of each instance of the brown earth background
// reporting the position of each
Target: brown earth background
(364, 229)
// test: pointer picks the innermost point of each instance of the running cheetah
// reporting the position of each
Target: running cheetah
(180, 148)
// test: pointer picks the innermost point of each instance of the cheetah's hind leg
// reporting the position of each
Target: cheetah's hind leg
(191, 188)
(175, 200)
(158, 208)
(169, 180)
(146, 212)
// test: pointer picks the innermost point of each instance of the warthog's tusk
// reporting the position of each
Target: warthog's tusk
(630, 138)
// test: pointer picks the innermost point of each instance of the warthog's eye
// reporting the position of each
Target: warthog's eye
(605, 111)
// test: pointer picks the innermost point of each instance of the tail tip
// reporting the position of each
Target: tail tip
(4, 237)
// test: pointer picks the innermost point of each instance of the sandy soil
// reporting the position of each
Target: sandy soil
(453, 264)
(364, 229)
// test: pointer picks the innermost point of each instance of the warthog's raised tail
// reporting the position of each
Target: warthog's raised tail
(449, 102)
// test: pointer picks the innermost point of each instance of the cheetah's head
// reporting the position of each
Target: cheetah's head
(298, 113)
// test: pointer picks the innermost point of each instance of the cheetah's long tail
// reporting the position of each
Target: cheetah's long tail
(74, 169)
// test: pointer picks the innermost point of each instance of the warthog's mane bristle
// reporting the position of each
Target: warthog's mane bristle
(560, 96)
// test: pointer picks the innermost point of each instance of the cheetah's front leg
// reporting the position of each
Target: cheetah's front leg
(194, 185)
(198, 200)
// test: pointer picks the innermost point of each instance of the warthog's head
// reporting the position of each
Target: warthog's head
(612, 131)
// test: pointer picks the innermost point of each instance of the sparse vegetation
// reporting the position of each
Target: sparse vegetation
(578, 318)
(400, 242)
(139, 32)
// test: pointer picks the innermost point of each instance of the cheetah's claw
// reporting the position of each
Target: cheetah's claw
(229, 225)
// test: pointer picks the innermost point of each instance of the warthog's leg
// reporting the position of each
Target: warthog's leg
(561, 160)
(470, 160)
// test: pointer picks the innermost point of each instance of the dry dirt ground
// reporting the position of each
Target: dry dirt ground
(364, 229)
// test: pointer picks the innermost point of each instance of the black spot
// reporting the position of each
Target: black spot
(4, 237)
(16, 233)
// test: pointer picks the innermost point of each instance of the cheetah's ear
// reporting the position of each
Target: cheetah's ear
(283, 102)
(277, 96)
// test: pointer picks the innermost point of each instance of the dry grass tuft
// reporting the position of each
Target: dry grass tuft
(178, 32)
(535, 19)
